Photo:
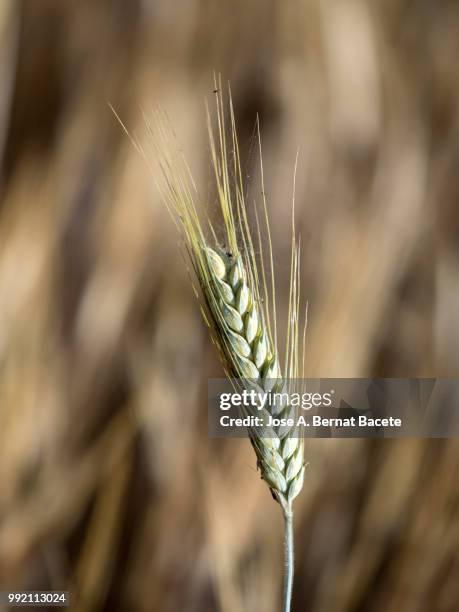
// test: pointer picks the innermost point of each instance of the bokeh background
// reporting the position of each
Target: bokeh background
(109, 485)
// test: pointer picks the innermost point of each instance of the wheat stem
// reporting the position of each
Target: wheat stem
(289, 559)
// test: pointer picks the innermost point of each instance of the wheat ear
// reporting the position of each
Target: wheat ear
(235, 299)
(248, 353)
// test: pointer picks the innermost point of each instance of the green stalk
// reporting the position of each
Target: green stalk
(288, 559)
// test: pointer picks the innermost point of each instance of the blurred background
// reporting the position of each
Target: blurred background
(109, 485)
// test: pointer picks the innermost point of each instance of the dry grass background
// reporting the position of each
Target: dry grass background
(109, 485)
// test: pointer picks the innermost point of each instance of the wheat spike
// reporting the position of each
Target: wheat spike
(231, 289)
(235, 300)
(248, 353)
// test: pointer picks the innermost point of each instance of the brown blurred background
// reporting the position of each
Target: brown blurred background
(110, 487)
